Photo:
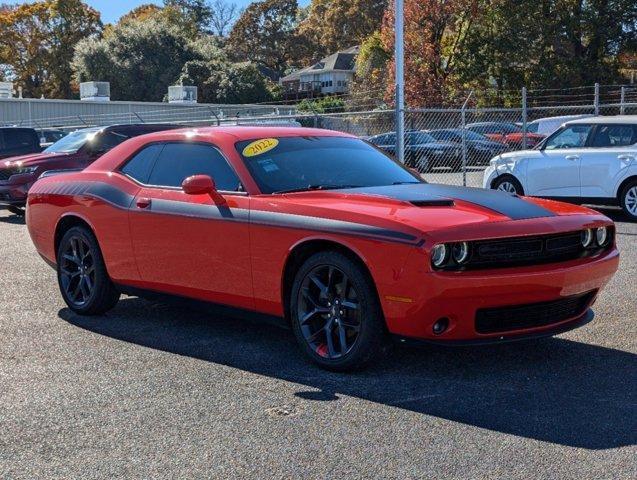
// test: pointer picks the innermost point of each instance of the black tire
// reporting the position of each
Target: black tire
(503, 181)
(16, 211)
(84, 282)
(628, 199)
(365, 322)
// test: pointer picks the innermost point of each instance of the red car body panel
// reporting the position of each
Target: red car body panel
(516, 139)
(238, 258)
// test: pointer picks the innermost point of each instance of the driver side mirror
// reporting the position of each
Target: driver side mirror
(199, 185)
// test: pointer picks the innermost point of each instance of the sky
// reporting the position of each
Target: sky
(111, 10)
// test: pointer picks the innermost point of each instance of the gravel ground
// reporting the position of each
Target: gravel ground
(157, 391)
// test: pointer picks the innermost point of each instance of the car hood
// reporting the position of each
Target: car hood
(487, 144)
(424, 208)
(33, 159)
(434, 145)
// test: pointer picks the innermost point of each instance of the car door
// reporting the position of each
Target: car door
(612, 151)
(191, 245)
(554, 171)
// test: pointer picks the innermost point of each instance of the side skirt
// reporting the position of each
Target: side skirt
(203, 306)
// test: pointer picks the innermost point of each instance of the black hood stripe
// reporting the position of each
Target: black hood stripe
(503, 203)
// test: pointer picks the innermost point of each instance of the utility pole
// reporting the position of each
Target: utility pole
(399, 56)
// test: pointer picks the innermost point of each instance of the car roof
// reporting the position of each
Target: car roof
(562, 118)
(614, 119)
(251, 132)
(477, 124)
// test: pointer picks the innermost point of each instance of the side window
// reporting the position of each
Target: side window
(614, 136)
(18, 138)
(532, 127)
(178, 161)
(141, 164)
(574, 136)
(107, 141)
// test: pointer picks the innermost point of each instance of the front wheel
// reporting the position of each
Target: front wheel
(84, 283)
(508, 184)
(628, 200)
(336, 316)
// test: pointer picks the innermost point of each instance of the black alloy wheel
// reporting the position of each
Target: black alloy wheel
(82, 277)
(336, 316)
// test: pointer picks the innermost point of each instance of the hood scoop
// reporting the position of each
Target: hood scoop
(441, 202)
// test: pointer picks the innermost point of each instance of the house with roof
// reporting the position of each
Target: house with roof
(331, 75)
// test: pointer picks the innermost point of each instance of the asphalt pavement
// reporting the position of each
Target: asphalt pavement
(159, 391)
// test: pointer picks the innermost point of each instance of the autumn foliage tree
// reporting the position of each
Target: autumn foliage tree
(37, 41)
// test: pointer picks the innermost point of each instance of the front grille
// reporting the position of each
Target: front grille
(518, 317)
(529, 250)
(6, 173)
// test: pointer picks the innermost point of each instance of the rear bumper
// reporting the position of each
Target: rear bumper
(458, 296)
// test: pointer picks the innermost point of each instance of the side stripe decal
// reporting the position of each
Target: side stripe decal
(123, 200)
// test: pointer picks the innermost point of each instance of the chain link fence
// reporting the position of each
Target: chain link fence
(446, 145)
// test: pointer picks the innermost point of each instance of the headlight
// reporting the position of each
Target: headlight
(601, 235)
(438, 152)
(439, 255)
(460, 252)
(22, 170)
(587, 238)
(481, 148)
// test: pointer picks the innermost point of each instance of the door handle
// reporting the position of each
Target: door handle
(143, 202)
(572, 158)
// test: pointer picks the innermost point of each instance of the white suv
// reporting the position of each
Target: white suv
(589, 160)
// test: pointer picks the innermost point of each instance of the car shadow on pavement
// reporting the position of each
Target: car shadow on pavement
(554, 390)
(12, 219)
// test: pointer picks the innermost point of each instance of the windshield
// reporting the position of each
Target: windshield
(306, 163)
(72, 142)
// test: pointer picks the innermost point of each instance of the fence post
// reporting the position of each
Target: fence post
(524, 118)
(622, 100)
(399, 60)
(596, 104)
(463, 115)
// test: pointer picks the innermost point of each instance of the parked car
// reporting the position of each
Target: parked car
(591, 160)
(49, 136)
(76, 150)
(546, 126)
(504, 132)
(18, 141)
(480, 149)
(422, 151)
(323, 231)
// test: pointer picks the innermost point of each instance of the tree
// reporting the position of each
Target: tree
(142, 12)
(372, 72)
(222, 16)
(435, 35)
(37, 41)
(264, 34)
(139, 58)
(195, 12)
(333, 25)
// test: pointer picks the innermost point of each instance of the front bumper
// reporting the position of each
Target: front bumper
(458, 296)
(13, 193)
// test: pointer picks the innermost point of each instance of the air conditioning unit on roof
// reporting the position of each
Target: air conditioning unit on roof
(6, 90)
(182, 94)
(95, 91)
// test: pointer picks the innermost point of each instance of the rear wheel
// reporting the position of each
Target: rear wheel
(336, 315)
(82, 277)
(628, 199)
(508, 184)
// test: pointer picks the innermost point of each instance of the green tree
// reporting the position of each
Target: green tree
(372, 72)
(333, 25)
(37, 41)
(322, 105)
(194, 12)
(264, 34)
(139, 58)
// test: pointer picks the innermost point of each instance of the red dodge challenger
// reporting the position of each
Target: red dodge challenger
(323, 230)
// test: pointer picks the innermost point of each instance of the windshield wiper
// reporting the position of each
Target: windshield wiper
(321, 186)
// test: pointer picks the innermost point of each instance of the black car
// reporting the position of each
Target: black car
(18, 141)
(50, 136)
(480, 149)
(422, 151)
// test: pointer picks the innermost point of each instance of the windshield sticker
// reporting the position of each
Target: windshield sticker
(268, 165)
(259, 147)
